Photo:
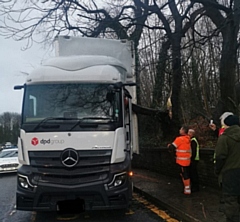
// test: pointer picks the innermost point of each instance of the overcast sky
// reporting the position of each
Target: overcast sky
(13, 62)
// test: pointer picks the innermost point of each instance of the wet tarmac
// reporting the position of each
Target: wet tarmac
(167, 192)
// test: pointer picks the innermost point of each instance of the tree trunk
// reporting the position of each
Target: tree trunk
(160, 74)
(228, 68)
(229, 27)
(177, 80)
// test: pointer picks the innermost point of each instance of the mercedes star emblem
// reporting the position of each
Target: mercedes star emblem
(69, 157)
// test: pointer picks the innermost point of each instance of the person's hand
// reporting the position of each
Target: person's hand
(212, 126)
(170, 149)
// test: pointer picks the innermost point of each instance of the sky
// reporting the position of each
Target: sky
(14, 62)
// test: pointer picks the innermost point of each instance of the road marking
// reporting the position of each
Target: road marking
(154, 209)
(13, 211)
(130, 212)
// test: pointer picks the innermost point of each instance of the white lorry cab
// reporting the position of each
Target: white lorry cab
(78, 131)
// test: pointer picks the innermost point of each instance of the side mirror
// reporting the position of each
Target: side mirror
(18, 87)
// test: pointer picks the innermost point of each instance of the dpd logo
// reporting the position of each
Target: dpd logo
(34, 141)
(43, 141)
(51, 142)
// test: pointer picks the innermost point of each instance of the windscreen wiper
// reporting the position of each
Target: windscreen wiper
(52, 118)
(82, 122)
(95, 118)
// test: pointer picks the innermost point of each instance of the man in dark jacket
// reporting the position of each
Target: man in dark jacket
(227, 167)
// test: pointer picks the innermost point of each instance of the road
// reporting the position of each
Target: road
(140, 210)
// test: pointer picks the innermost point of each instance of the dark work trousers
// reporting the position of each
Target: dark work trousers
(232, 208)
(184, 172)
(194, 176)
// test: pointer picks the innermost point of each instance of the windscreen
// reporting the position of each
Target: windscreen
(9, 153)
(67, 104)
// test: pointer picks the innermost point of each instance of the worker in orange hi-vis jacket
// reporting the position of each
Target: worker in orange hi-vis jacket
(182, 148)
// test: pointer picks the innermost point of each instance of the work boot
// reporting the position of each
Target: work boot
(187, 187)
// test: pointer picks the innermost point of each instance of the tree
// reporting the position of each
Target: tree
(9, 127)
(227, 20)
(174, 49)
(175, 23)
(43, 21)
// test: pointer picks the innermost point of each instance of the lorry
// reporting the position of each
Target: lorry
(78, 131)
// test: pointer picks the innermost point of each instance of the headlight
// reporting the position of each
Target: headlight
(24, 183)
(118, 180)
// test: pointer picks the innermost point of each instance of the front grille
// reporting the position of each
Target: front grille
(9, 165)
(93, 166)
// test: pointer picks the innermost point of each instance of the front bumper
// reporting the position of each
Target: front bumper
(94, 197)
(98, 195)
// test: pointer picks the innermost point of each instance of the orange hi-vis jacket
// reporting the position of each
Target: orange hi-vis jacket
(183, 150)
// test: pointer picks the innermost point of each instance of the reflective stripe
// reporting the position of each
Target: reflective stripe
(183, 158)
(183, 151)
